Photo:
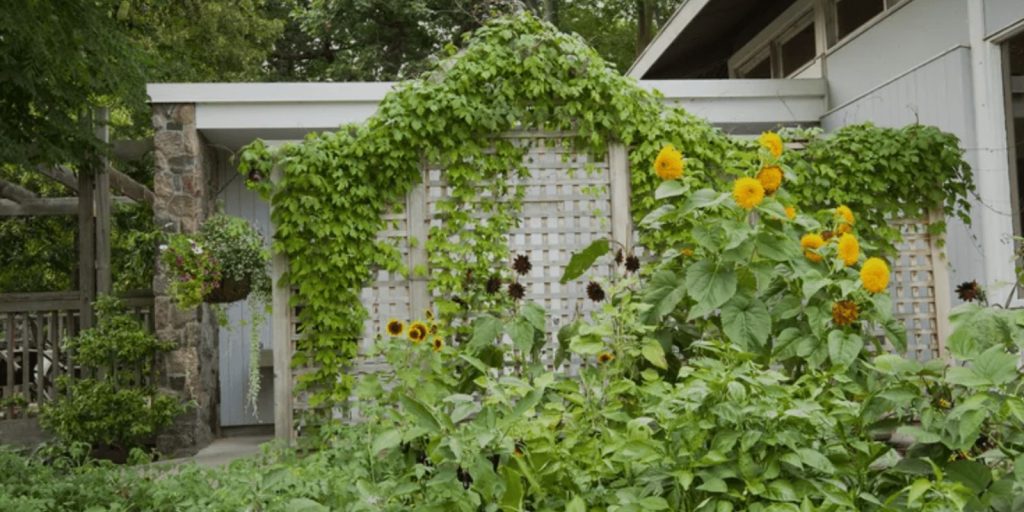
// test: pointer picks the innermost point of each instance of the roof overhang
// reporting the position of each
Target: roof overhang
(234, 114)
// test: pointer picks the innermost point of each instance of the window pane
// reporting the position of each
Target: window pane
(762, 69)
(851, 14)
(798, 51)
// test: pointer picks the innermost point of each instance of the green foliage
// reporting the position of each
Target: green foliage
(225, 249)
(884, 173)
(114, 407)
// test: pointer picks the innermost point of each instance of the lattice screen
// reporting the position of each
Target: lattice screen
(567, 206)
(912, 287)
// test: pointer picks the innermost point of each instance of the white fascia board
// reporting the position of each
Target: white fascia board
(664, 38)
(738, 88)
(268, 92)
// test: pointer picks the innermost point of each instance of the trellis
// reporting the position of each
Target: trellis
(571, 200)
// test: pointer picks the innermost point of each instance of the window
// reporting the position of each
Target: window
(1013, 83)
(785, 53)
(849, 15)
(798, 50)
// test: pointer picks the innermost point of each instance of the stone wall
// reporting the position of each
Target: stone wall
(183, 182)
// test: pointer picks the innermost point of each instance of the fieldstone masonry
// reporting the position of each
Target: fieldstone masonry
(183, 182)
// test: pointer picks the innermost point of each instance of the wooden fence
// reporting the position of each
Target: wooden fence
(33, 355)
(566, 208)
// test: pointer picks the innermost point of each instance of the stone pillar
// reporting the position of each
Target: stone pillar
(183, 182)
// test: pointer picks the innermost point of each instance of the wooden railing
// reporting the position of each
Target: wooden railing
(33, 352)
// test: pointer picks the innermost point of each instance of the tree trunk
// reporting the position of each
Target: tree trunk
(644, 24)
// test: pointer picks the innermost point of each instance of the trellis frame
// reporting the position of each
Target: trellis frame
(926, 288)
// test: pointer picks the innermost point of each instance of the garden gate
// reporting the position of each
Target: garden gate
(567, 207)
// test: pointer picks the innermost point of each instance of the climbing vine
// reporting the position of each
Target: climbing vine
(516, 73)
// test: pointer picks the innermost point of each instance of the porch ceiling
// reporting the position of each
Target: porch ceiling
(232, 115)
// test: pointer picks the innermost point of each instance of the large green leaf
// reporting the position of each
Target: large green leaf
(486, 329)
(583, 260)
(521, 332)
(653, 352)
(994, 367)
(664, 291)
(703, 198)
(421, 412)
(710, 284)
(746, 322)
(512, 499)
(844, 347)
(671, 188)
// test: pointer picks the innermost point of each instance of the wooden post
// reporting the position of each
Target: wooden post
(416, 225)
(941, 286)
(103, 277)
(622, 217)
(280, 333)
(86, 249)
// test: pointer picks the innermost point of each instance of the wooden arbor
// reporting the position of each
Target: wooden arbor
(92, 205)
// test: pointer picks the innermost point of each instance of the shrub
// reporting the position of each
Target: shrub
(119, 406)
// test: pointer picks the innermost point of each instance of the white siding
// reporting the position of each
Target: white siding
(1000, 14)
(233, 342)
(937, 93)
(904, 39)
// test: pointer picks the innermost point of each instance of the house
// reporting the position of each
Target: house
(955, 64)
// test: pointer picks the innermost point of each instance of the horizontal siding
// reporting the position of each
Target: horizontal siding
(1000, 14)
(939, 94)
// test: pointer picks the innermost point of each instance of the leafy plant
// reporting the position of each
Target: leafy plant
(119, 405)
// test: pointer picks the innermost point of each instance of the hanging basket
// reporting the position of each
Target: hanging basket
(229, 290)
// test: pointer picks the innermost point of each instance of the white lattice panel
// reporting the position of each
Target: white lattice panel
(912, 287)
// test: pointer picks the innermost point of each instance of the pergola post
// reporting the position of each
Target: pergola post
(102, 184)
(86, 248)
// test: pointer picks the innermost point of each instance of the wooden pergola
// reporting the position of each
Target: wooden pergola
(91, 199)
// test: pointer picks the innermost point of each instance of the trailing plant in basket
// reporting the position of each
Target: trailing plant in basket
(113, 401)
(224, 262)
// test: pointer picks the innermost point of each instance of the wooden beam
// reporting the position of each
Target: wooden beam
(60, 174)
(281, 343)
(47, 206)
(86, 249)
(16, 192)
(104, 280)
(131, 188)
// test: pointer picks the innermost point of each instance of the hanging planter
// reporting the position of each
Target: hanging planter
(229, 290)
(224, 262)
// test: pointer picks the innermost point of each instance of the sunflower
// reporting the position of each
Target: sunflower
(849, 249)
(844, 312)
(522, 264)
(669, 163)
(516, 290)
(437, 343)
(418, 331)
(428, 314)
(970, 291)
(874, 275)
(632, 263)
(493, 285)
(395, 327)
(810, 242)
(605, 357)
(827, 235)
(770, 178)
(595, 292)
(845, 213)
(748, 192)
(772, 142)
(790, 212)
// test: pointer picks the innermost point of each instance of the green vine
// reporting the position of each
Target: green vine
(514, 74)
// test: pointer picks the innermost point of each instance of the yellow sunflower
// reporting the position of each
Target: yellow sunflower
(428, 314)
(748, 192)
(669, 163)
(844, 312)
(437, 343)
(845, 213)
(849, 249)
(772, 142)
(770, 178)
(809, 243)
(605, 357)
(790, 212)
(844, 228)
(395, 327)
(874, 275)
(418, 332)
